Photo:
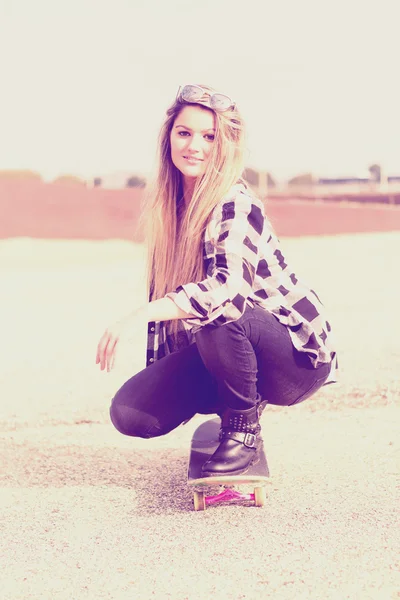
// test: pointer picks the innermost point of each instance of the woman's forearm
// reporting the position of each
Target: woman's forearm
(164, 309)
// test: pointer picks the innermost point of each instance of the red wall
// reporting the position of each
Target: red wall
(40, 210)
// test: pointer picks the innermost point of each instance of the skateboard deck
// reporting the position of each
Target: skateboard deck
(205, 441)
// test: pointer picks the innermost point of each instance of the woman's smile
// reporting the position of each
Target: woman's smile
(192, 160)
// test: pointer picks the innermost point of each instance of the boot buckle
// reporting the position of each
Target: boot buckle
(249, 440)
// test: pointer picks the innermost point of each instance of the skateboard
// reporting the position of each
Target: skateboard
(205, 441)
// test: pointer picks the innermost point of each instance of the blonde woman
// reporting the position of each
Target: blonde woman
(231, 328)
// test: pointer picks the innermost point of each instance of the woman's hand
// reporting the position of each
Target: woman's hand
(121, 330)
(163, 309)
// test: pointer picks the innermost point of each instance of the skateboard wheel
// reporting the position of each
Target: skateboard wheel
(260, 496)
(199, 501)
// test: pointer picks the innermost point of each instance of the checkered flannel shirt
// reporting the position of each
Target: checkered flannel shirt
(245, 266)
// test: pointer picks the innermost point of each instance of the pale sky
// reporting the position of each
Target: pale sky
(85, 83)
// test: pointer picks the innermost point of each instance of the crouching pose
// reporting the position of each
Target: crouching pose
(231, 328)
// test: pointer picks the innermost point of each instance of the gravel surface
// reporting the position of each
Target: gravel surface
(89, 513)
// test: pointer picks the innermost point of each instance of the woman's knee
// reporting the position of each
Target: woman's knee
(216, 340)
(213, 333)
(225, 347)
(133, 422)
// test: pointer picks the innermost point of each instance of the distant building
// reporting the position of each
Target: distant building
(117, 180)
(342, 180)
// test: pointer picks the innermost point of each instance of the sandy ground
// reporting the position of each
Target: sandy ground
(89, 513)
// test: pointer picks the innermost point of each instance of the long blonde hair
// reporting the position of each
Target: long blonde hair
(175, 246)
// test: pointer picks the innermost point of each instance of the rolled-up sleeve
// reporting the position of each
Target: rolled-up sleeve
(231, 251)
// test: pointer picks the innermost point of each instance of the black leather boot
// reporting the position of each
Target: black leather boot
(240, 442)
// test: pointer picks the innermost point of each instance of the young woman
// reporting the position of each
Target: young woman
(231, 328)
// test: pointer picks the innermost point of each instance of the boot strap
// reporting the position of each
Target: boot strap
(248, 439)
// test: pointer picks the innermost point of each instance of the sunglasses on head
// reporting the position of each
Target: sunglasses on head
(193, 93)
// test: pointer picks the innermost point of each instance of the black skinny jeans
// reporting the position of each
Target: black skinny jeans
(230, 365)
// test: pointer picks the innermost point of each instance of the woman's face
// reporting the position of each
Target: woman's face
(192, 137)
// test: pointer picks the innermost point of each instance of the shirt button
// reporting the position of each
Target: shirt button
(152, 329)
(152, 360)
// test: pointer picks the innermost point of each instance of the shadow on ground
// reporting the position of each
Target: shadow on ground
(157, 484)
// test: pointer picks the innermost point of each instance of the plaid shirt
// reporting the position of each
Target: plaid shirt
(245, 266)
